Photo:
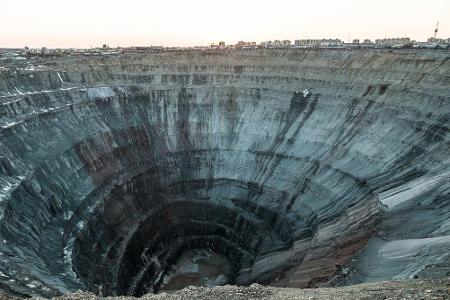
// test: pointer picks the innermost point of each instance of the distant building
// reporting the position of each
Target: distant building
(26, 50)
(356, 41)
(286, 43)
(277, 43)
(266, 44)
(439, 41)
(242, 44)
(316, 43)
(367, 41)
(44, 51)
(393, 41)
(331, 43)
(307, 43)
(221, 45)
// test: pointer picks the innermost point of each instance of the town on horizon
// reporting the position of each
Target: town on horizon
(402, 42)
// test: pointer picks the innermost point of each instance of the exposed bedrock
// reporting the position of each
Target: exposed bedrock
(113, 170)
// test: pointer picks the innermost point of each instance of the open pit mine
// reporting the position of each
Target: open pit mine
(142, 173)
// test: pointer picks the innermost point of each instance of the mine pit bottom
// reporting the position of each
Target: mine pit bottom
(198, 267)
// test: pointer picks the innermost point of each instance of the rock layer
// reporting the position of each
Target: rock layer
(112, 167)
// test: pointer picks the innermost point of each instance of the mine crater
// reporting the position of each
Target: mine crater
(140, 174)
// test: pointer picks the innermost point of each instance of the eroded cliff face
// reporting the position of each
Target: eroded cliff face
(112, 168)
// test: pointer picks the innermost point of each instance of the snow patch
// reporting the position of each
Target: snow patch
(60, 78)
(10, 124)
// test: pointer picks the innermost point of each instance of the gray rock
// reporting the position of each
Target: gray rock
(111, 167)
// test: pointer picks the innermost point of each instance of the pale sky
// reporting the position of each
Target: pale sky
(82, 23)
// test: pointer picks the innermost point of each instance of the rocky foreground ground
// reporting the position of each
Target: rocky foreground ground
(405, 289)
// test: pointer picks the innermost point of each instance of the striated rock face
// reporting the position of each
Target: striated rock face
(113, 168)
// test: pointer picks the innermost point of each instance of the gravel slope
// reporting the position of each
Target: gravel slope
(406, 289)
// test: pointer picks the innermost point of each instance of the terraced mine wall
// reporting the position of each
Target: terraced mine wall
(113, 167)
